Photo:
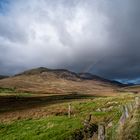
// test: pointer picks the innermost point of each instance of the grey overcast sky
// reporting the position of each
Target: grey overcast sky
(98, 36)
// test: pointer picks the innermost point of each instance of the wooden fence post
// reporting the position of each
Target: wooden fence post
(87, 126)
(69, 110)
(101, 132)
(123, 117)
(87, 121)
(126, 111)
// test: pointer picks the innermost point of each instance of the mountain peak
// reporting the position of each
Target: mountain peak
(44, 69)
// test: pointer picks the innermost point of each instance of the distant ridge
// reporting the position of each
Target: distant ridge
(64, 73)
(90, 76)
(43, 69)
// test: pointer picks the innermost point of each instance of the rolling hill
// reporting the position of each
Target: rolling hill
(60, 81)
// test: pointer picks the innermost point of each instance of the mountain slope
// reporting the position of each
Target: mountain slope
(133, 88)
(89, 76)
(3, 76)
(58, 81)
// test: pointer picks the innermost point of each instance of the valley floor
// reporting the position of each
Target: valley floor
(40, 118)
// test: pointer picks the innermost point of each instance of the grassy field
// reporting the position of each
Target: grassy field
(51, 128)
(51, 122)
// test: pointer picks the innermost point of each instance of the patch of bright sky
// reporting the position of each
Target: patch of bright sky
(126, 81)
(4, 6)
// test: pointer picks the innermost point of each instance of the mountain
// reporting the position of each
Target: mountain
(89, 76)
(59, 81)
(58, 73)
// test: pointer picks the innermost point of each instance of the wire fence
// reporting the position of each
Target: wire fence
(108, 130)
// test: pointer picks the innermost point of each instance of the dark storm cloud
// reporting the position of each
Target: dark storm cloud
(124, 33)
(99, 36)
